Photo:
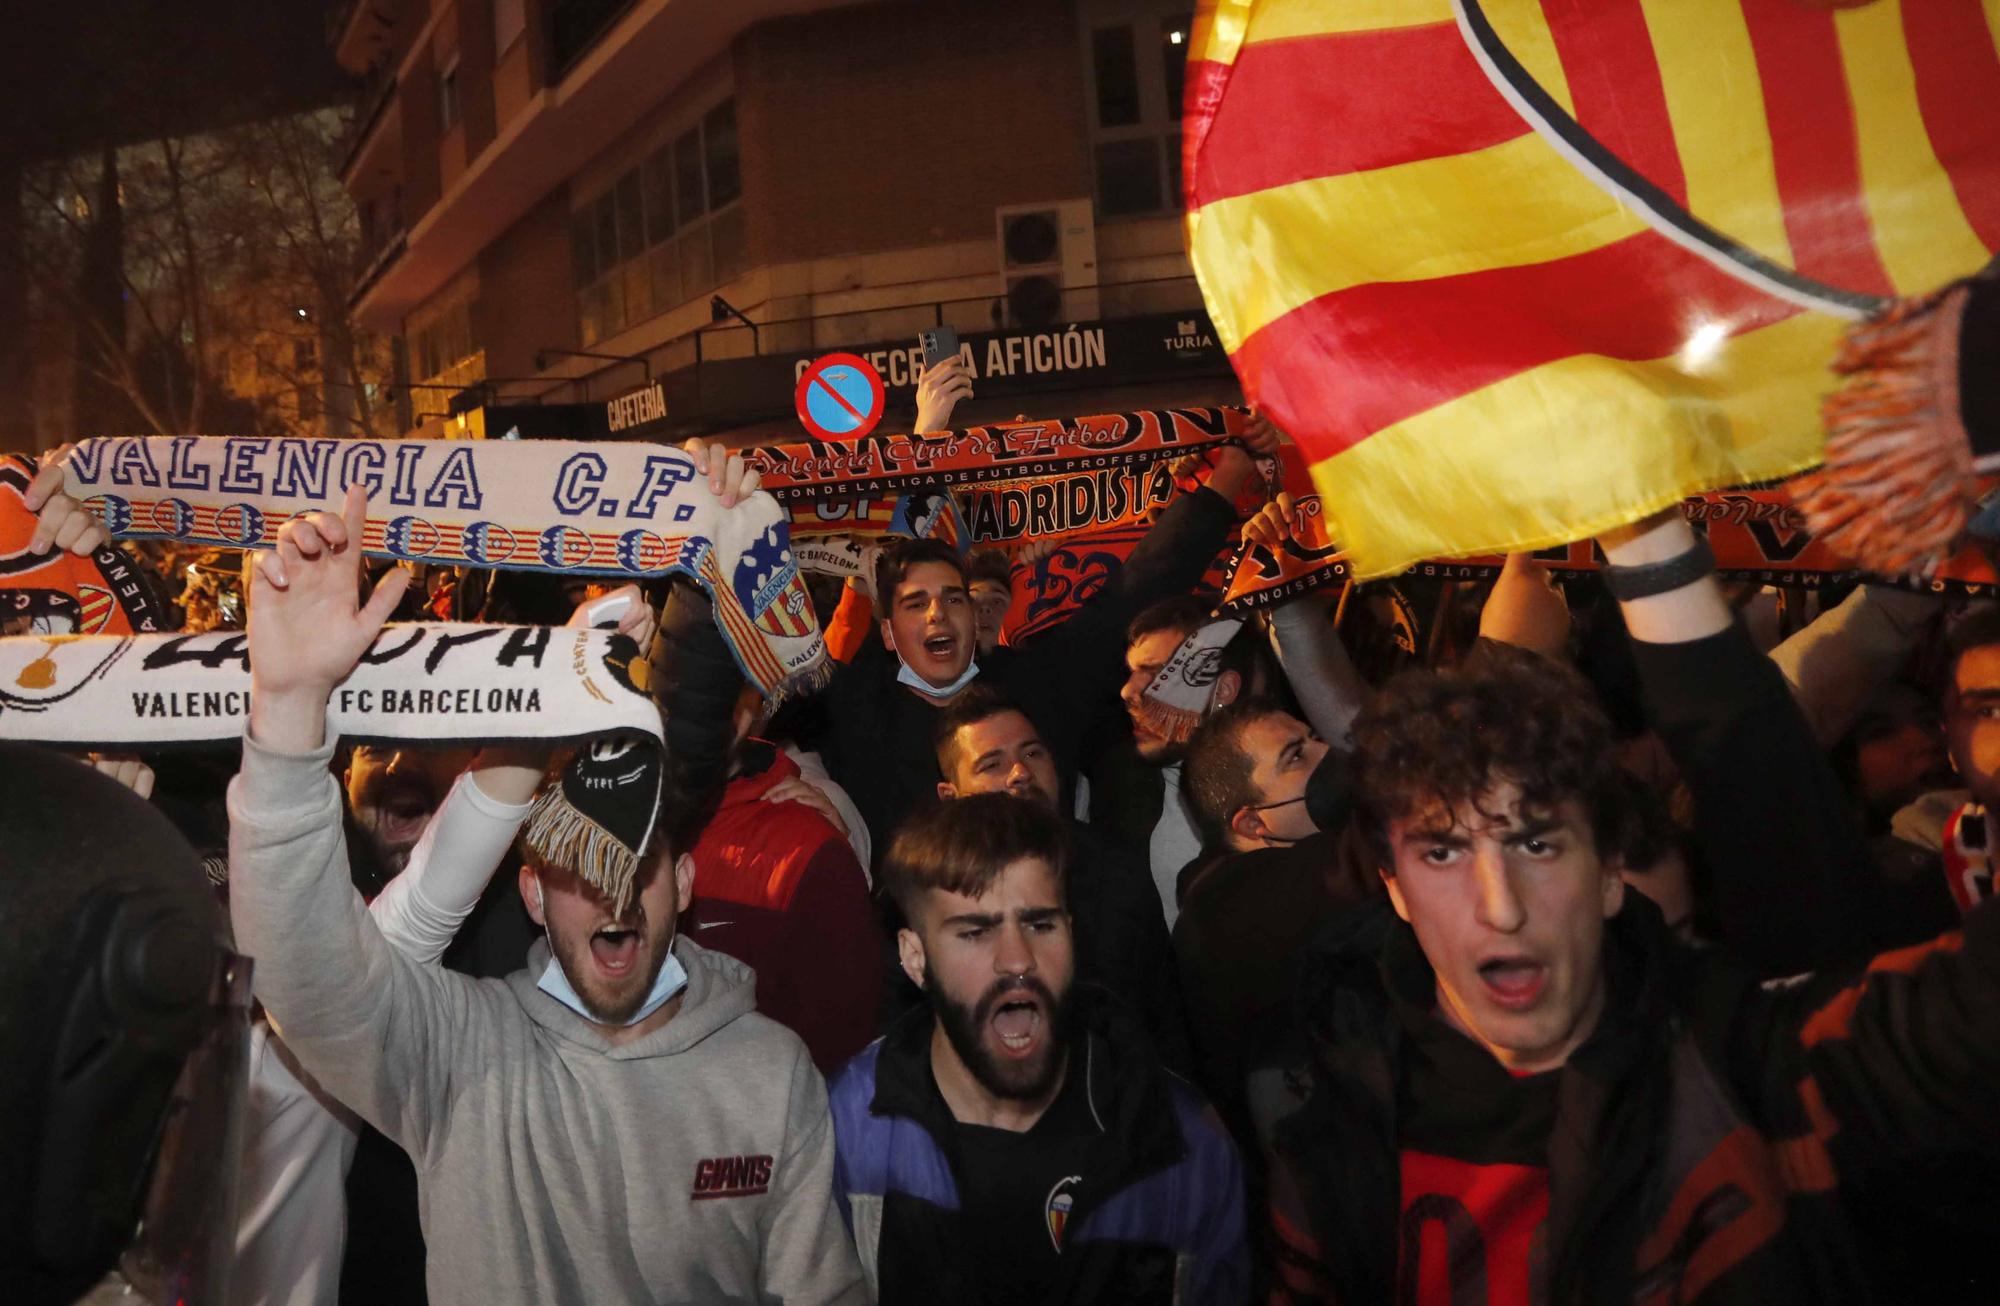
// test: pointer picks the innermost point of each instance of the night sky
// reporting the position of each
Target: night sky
(75, 72)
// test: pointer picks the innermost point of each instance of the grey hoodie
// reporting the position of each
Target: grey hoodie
(694, 1164)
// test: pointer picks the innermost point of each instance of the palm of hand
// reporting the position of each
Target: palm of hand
(308, 627)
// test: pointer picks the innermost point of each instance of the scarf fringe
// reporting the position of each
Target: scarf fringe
(801, 684)
(558, 834)
(1176, 724)
(1898, 484)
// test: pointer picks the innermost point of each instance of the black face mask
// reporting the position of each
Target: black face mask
(1330, 790)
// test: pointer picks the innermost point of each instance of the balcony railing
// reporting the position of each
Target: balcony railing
(371, 102)
(374, 258)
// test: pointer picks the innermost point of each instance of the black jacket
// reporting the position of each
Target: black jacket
(876, 735)
(1787, 868)
(1122, 941)
(1703, 1135)
(1161, 1221)
(1246, 919)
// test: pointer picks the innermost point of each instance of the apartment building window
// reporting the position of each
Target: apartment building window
(1137, 57)
(668, 230)
(448, 96)
(443, 343)
(509, 18)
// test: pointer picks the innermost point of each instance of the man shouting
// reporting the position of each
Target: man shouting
(612, 1123)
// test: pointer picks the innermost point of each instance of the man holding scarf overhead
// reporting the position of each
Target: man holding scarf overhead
(881, 709)
(613, 1122)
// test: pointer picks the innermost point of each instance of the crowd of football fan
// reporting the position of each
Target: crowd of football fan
(1500, 941)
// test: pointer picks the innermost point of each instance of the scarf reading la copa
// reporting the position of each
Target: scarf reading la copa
(616, 511)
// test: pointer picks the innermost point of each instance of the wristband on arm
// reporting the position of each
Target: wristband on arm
(1663, 577)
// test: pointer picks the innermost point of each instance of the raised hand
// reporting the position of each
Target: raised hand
(728, 478)
(126, 770)
(939, 390)
(60, 521)
(1526, 610)
(633, 618)
(1262, 437)
(308, 625)
(1272, 525)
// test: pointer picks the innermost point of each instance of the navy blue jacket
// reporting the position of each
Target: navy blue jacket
(1168, 1228)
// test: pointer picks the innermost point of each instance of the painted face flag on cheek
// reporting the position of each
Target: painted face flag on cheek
(1514, 273)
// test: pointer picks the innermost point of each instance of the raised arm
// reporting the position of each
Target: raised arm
(1837, 662)
(1789, 863)
(377, 1030)
(1330, 691)
(421, 910)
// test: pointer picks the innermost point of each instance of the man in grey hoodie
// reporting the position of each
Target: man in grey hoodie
(594, 1131)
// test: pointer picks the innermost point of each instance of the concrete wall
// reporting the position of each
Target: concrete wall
(886, 126)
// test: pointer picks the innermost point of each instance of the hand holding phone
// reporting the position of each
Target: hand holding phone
(939, 343)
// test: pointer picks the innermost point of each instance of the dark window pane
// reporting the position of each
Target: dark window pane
(1173, 59)
(659, 187)
(607, 231)
(631, 226)
(1128, 177)
(1175, 200)
(1117, 68)
(718, 138)
(687, 177)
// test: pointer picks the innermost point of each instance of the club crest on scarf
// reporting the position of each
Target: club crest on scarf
(1056, 1210)
(769, 587)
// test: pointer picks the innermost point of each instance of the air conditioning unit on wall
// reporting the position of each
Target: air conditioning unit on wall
(1048, 263)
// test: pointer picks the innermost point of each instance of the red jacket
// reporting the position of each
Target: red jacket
(778, 887)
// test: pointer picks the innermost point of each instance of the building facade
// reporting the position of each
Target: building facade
(578, 201)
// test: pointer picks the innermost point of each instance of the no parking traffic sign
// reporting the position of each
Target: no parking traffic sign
(840, 398)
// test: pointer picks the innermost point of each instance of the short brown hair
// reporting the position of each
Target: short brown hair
(898, 558)
(1216, 775)
(1183, 614)
(1502, 715)
(989, 564)
(964, 845)
(979, 702)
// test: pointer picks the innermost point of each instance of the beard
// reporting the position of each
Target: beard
(965, 1027)
(613, 1002)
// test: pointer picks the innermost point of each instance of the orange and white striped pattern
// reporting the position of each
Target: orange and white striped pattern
(1480, 345)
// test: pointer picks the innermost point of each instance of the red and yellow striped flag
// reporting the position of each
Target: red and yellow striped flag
(1516, 271)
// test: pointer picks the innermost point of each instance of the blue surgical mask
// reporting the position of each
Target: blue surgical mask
(673, 977)
(905, 676)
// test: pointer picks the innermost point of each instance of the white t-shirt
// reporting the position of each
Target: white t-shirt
(1174, 843)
